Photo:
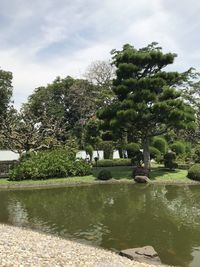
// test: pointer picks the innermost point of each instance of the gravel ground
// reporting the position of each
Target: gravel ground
(21, 248)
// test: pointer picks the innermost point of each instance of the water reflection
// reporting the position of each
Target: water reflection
(115, 216)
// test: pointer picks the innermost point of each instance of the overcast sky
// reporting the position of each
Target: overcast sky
(42, 39)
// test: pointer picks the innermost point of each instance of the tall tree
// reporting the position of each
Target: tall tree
(101, 74)
(5, 91)
(148, 102)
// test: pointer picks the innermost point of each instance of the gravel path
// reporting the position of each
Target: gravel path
(21, 248)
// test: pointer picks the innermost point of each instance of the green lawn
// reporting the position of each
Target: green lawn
(158, 174)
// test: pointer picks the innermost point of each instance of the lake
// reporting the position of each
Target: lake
(116, 216)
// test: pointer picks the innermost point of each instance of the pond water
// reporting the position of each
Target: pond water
(114, 216)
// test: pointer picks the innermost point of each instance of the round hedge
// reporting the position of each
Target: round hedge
(132, 149)
(154, 153)
(194, 172)
(161, 144)
(104, 175)
(178, 147)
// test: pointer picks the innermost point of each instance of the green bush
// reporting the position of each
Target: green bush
(178, 147)
(49, 164)
(107, 147)
(194, 172)
(113, 162)
(196, 156)
(104, 175)
(155, 154)
(161, 144)
(89, 151)
(132, 149)
(170, 160)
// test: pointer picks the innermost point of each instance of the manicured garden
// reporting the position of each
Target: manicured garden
(119, 174)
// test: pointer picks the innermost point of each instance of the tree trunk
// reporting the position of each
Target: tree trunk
(146, 153)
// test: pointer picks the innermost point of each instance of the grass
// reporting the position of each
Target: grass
(119, 173)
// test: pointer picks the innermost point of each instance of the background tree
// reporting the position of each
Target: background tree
(21, 132)
(5, 92)
(148, 102)
(71, 101)
(101, 74)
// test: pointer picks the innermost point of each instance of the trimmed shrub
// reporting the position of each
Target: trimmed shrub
(89, 151)
(56, 163)
(132, 149)
(178, 147)
(155, 153)
(113, 162)
(170, 160)
(107, 147)
(104, 175)
(161, 144)
(194, 172)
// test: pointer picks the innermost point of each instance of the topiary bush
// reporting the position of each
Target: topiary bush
(107, 147)
(113, 162)
(161, 144)
(56, 163)
(89, 150)
(178, 147)
(170, 160)
(132, 149)
(155, 154)
(194, 172)
(104, 175)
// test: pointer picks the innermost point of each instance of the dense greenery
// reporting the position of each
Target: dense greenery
(132, 104)
(148, 102)
(114, 162)
(194, 172)
(43, 165)
(5, 92)
(170, 160)
(104, 175)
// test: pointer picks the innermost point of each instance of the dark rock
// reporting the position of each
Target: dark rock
(141, 179)
(145, 254)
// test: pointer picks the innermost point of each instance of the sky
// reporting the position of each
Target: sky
(43, 39)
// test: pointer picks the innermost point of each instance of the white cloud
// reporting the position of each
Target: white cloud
(40, 40)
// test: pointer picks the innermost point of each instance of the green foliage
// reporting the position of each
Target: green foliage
(104, 175)
(114, 162)
(5, 91)
(161, 144)
(92, 132)
(178, 147)
(132, 149)
(89, 150)
(194, 172)
(155, 153)
(107, 147)
(196, 156)
(49, 164)
(148, 102)
(170, 160)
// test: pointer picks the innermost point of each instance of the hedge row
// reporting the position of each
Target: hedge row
(113, 162)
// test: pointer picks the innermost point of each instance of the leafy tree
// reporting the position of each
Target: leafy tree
(5, 92)
(21, 132)
(148, 102)
(70, 100)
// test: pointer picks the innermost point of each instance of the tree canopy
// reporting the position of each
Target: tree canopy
(148, 102)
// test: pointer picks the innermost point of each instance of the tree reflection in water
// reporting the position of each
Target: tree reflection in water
(114, 216)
